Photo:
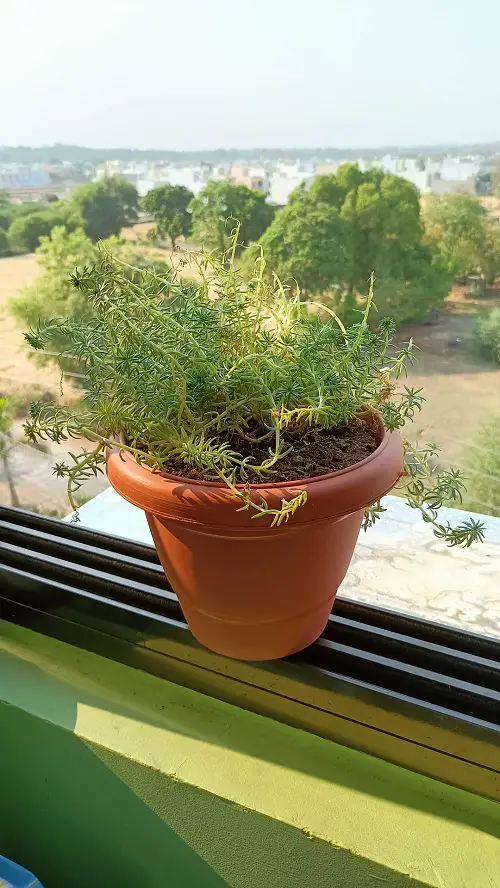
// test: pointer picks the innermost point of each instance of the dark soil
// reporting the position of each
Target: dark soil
(316, 452)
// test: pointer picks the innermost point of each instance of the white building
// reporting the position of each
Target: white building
(16, 176)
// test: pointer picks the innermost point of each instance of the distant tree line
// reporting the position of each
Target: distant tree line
(59, 153)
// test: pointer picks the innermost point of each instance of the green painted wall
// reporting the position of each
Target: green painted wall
(78, 815)
(111, 777)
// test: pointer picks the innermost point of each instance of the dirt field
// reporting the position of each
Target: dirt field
(16, 370)
(461, 388)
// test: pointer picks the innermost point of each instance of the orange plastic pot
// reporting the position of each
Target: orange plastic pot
(249, 590)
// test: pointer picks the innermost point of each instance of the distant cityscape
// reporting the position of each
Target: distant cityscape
(57, 170)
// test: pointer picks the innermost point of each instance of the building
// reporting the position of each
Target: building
(23, 182)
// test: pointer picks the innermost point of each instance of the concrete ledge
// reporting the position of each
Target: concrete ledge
(113, 777)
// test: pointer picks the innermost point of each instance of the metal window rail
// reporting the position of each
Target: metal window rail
(419, 694)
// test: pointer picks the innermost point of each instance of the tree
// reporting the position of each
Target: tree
(383, 212)
(106, 206)
(483, 470)
(170, 207)
(11, 211)
(489, 252)
(53, 294)
(4, 243)
(455, 228)
(220, 206)
(483, 183)
(488, 332)
(5, 214)
(26, 232)
(459, 228)
(304, 245)
(410, 298)
(332, 236)
(495, 177)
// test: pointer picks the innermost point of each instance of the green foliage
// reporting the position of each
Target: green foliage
(458, 228)
(412, 298)
(106, 206)
(482, 469)
(185, 376)
(488, 331)
(490, 252)
(25, 208)
(305, 241)
(220, 207)
(4, 243)
(26, 231)
(484, 183)
(10, 212)
(52, 294)
(5, 418)
(331, 237)
(170, 207)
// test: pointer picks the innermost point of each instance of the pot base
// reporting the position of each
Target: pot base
(257, 641)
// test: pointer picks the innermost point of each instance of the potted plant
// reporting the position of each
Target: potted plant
(256, 436)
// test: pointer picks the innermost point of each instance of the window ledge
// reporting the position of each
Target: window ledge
(414, 692)
(398, 563)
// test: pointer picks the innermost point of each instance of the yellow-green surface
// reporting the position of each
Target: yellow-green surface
(139, 781)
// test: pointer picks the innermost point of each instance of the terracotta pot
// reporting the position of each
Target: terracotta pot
(249, 590)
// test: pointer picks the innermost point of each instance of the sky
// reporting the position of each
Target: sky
(203, 74)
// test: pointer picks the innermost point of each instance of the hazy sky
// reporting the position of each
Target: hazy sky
(245, 73)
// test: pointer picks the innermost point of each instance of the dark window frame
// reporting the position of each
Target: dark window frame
(416, 693)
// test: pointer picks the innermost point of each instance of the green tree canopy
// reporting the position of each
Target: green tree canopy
(52, 294)
(488, 332)
(26, 231)
(5, 214)
(170, 207)
(4, 243)
(220, 206)
(456, 227)
(106, 206)
(490, 259)
(482, 468)
(331, 237)
(9, 212)
(304, 244)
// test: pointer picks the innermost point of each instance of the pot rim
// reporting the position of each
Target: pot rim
(268, 485)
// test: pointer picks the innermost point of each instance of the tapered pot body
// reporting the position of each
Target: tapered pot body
(249, 590)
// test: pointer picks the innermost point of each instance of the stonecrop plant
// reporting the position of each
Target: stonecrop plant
(187, 375)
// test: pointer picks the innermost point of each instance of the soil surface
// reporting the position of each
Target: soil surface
(315, 452)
